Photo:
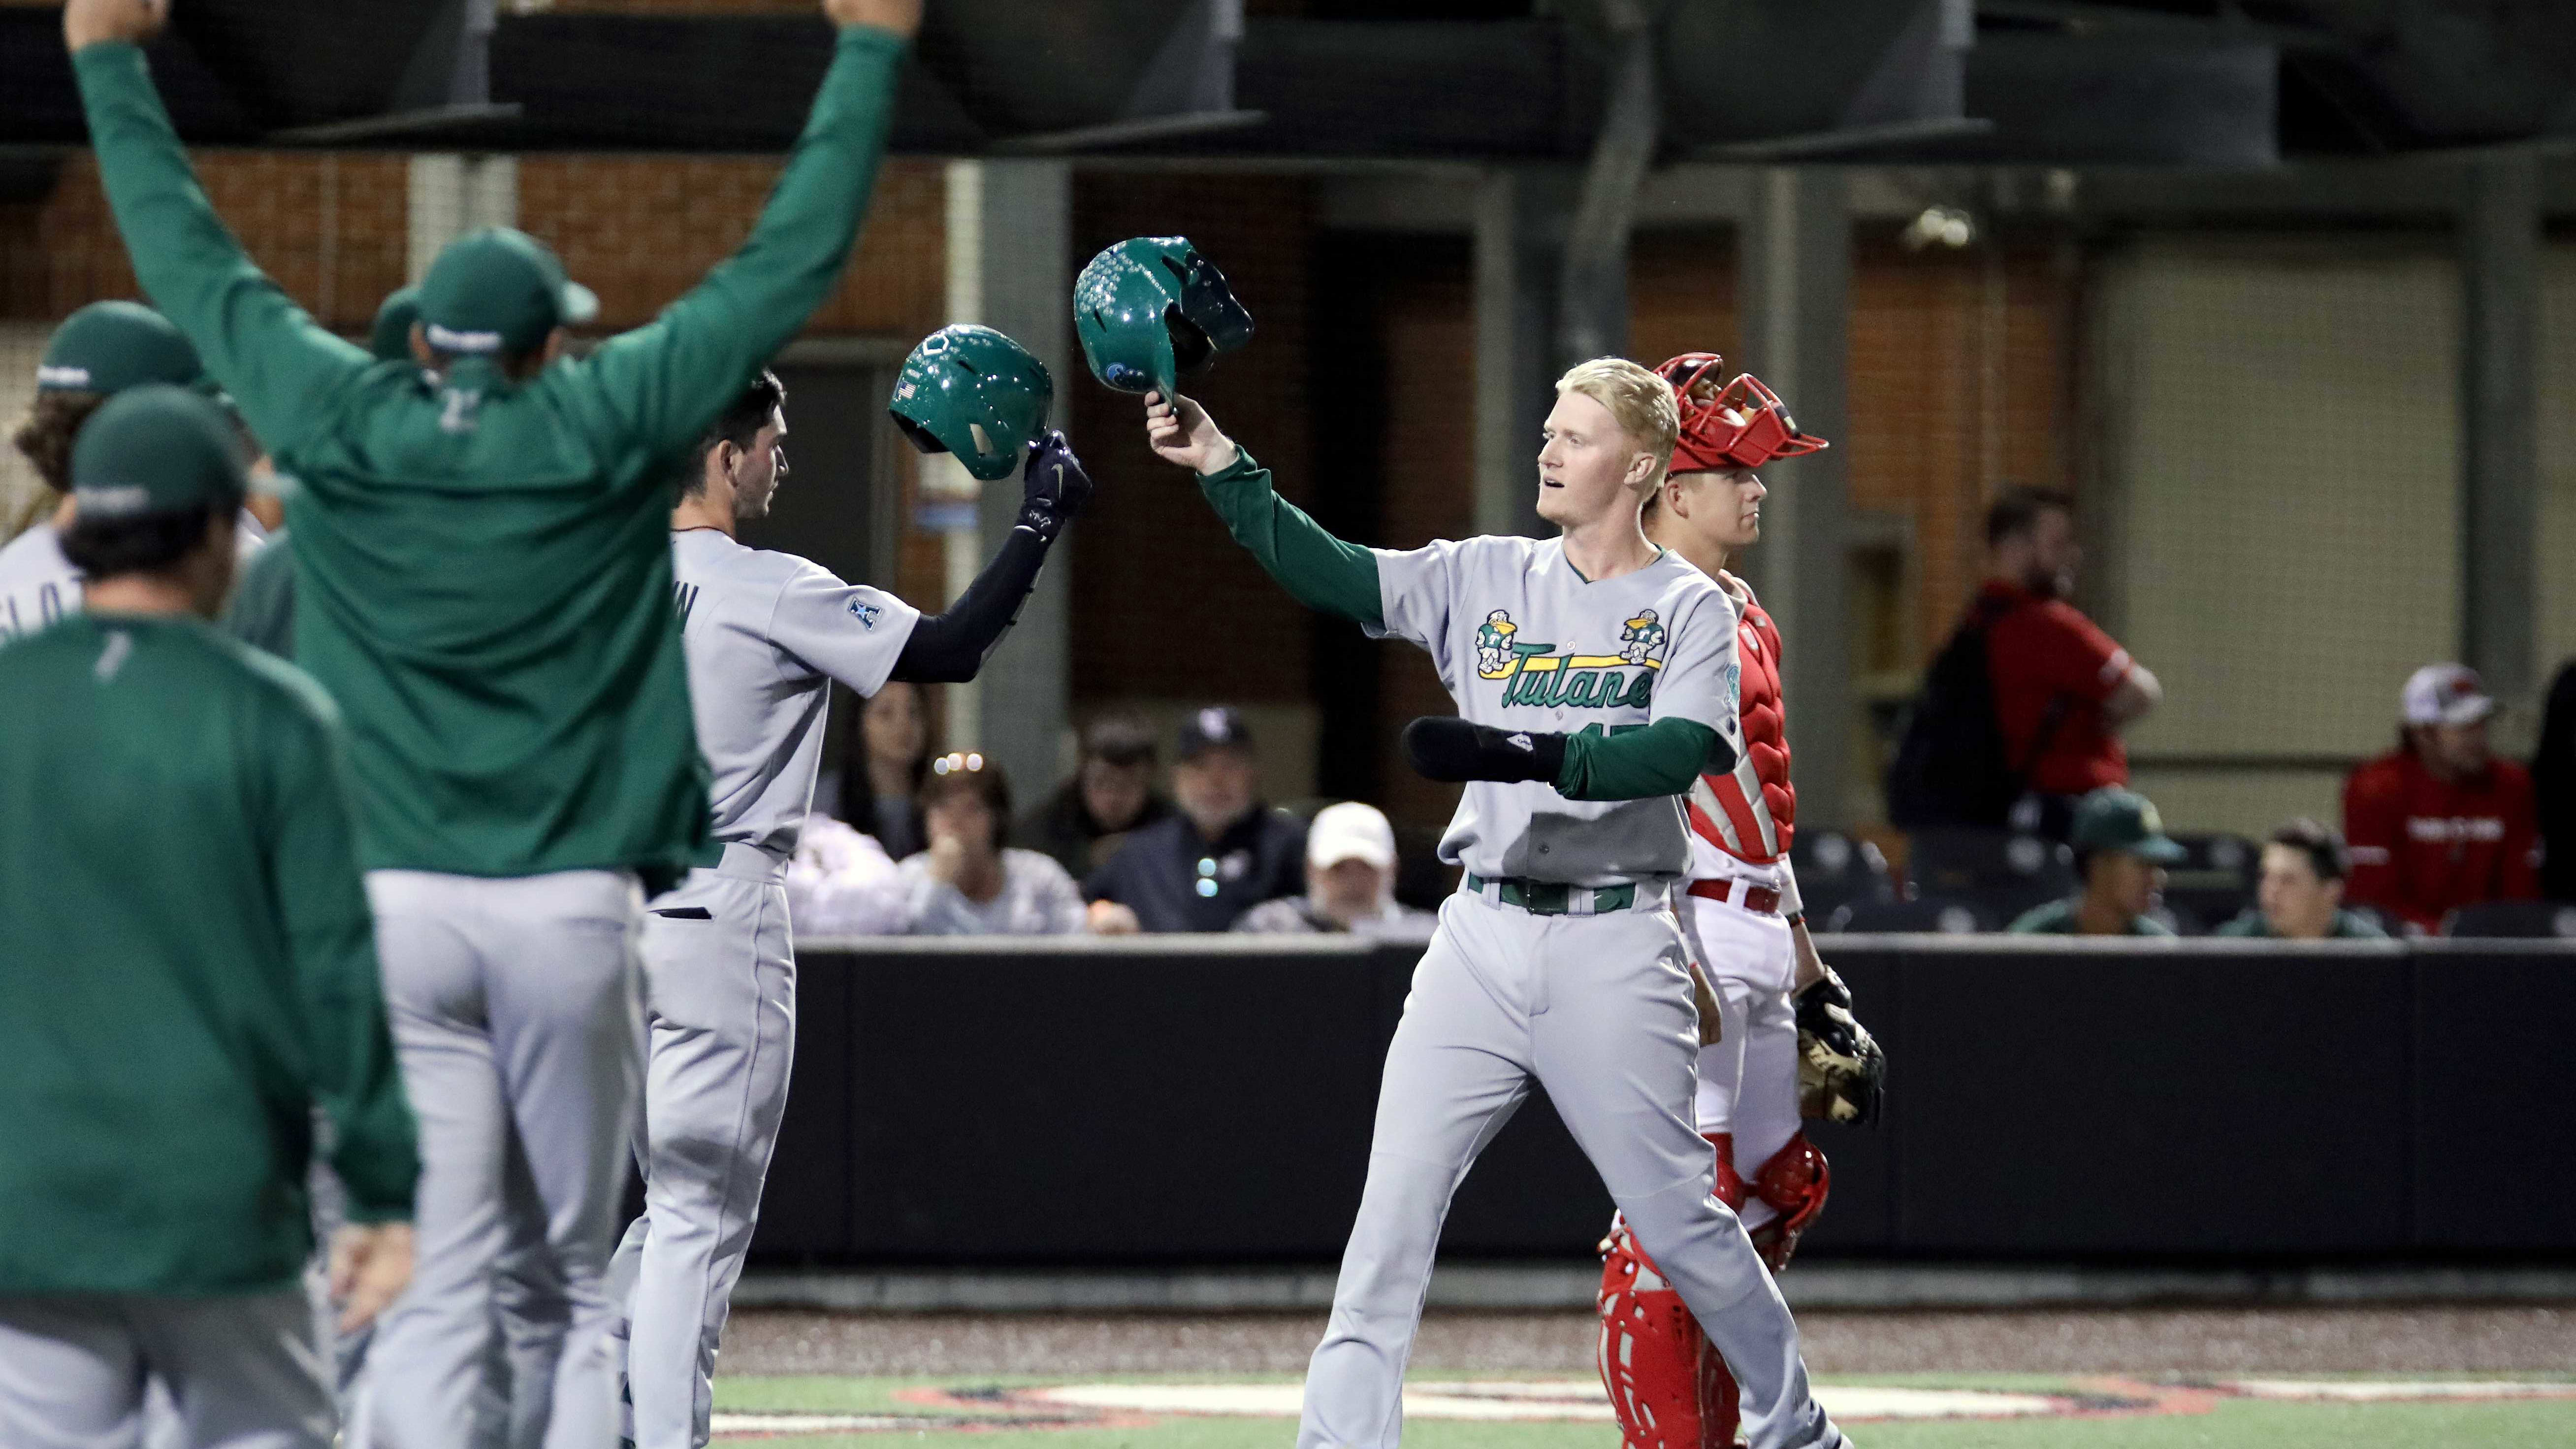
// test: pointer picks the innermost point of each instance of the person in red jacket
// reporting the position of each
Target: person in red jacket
(2440, 823)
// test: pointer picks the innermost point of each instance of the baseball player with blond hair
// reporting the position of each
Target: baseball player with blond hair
(1559, 962)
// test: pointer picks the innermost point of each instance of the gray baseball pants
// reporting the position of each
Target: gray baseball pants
(1597, 1010)
(721, 1018)
(515, 1011)
(241, 1372)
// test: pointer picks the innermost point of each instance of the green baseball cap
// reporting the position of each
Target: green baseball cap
(2115, 819)
(499, 291)
(107, 347)
(156, 448)
(974, 392)
(390, 338)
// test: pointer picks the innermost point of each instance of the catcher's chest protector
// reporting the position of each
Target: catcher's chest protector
(1751, 812)
(1668, 1387)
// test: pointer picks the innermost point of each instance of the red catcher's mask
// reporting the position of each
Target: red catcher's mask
(1739, 425)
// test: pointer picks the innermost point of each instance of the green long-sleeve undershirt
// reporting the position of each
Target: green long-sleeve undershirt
(1339, 578)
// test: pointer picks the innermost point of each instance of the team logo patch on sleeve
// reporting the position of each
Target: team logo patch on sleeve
(865, 612)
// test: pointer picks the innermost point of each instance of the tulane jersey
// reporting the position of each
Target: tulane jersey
(766, 634)
(1524, 642)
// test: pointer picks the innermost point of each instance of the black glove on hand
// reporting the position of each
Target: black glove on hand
(1445, 747)
(1053, 487)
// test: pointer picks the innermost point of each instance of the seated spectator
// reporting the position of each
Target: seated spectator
(2121, 851)
(2299, 896)
(2440, 823)
(842, 883)
(1111, 794)
(878, 786)
(965, 883)
(1220, 855)
(1350, 882)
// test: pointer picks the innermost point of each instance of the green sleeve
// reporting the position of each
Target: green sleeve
(255, 341)
(1661, 759)
(1322, 571)
(667, 379)
(262, 611)
(331, 934)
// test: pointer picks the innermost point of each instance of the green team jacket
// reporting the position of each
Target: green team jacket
(1323, 572)
(484, 567)
(187, 966)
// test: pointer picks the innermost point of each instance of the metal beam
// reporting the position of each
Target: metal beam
(1519, 248)
(1796, 284)
(2500, 420)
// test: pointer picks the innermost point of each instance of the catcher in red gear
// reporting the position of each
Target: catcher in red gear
(1788, 1047)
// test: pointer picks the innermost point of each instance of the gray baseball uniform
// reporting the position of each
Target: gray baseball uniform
(1560, 963)
(766, 634)
(38, 585)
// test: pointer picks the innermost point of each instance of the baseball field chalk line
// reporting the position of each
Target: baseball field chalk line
(1092, 1405)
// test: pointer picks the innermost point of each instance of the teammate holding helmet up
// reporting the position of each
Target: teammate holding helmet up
(766, 634)
(1787, 1035)
(1559, 961)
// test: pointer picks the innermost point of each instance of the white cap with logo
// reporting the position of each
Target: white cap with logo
(2449, 694)
(1350, 831)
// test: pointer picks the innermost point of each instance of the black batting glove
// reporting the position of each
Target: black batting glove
(1445, 747)
(1053, 487)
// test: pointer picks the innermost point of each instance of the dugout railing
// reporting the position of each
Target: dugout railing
(1207, 1100)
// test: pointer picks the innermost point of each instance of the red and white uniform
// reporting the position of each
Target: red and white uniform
(1741, 826)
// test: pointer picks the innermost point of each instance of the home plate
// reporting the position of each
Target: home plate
(2377, 1391)
(1566, 1399)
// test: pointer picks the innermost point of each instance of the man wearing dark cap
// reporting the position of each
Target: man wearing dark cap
(98, 352)
(1222, 853)
(2121, 851)
(484, 584)
(204, 984)
(1110, 795)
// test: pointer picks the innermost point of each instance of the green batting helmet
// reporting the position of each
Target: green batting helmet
(1151, 310)
(971, 391)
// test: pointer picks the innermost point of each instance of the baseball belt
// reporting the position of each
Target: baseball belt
(1554, 898)
(1760, 900)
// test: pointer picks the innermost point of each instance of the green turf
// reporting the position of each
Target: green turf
(2234, 1424)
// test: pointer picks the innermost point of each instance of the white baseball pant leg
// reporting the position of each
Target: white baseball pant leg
(721, 1013)
(241, 1372)
(1748, 1079)
(515, 1012)
(1597, 1010)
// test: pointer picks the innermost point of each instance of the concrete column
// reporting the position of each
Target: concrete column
(2500, 421)
(1010, 267)
(450, 195)
(1519, 258)
(1795, 285)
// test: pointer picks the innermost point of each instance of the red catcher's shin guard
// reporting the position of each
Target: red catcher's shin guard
(1668, 1387)
(1795, 1182)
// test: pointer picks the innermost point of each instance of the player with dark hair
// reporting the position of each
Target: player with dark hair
(766, 635)
(179, 1000)
(2299, 894)
(484, 581)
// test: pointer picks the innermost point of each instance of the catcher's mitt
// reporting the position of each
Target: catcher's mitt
(1842, 1075)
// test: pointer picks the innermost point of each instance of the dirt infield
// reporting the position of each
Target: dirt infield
(2447, 1338)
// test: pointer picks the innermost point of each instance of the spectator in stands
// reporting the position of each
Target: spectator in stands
(2440, 823)
(2063, 689)
(1350, 882)
(1110, 795)
(966, 883)
(1222, 853)
(2553, 788)
(882, 773)
(2121, 851)
(2299, 896)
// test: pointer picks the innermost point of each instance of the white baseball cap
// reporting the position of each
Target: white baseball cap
(2445, 694)
(1350, 831)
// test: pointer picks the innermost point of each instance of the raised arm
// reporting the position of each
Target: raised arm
(951, 648)
(265, 351)
(667, 379)
(1321, 571)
